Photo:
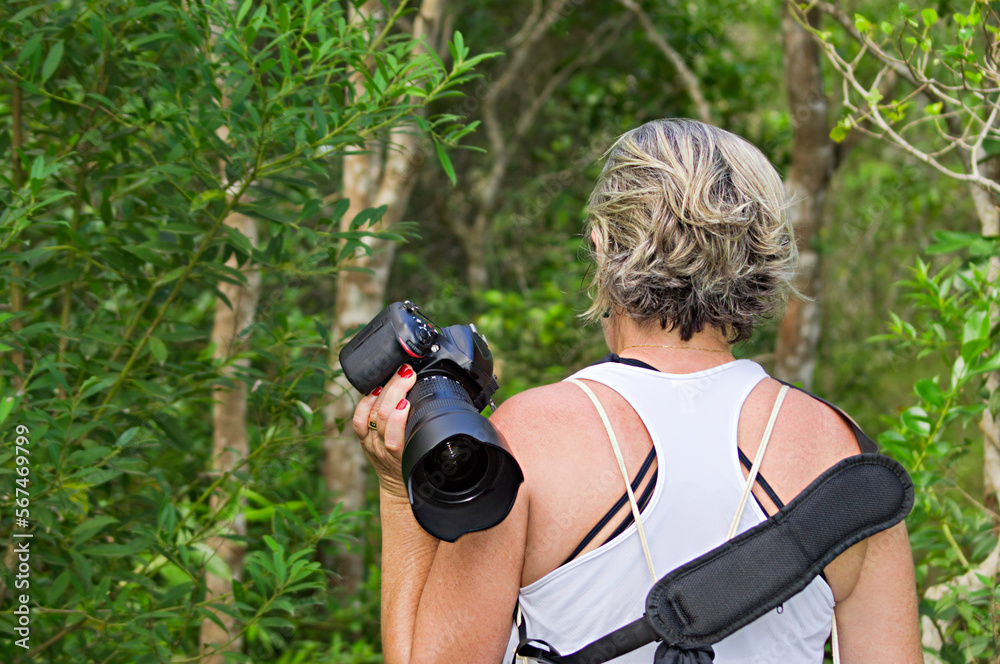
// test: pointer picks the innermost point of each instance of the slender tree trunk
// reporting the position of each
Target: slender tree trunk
(16, 291)
(473, 240)
(372, 179)
(230, 440)
(229, 437)
(989, 217)
(813, 161)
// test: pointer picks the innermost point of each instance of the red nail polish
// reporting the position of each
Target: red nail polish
(402, 405)
(405, 371)
(376, 391)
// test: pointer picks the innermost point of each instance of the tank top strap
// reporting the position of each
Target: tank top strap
(721, 387)
(692, 418)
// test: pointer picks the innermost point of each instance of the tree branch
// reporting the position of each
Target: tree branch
(691, 82)
(511, 74)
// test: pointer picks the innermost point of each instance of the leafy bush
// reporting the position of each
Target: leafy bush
(134, 130)
(951, 530)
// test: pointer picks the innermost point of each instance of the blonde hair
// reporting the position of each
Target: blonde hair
(691, 229)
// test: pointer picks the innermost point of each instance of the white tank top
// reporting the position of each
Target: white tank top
(692, 419)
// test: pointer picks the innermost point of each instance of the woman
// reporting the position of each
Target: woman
(690, 244)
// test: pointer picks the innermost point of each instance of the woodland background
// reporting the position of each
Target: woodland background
(200, 200)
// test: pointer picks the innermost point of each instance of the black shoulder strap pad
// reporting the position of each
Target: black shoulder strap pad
(709, 598)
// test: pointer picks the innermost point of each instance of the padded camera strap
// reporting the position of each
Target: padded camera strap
(714, 595)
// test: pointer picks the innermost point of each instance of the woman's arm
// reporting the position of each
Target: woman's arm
(877, 621)
(873, 581)
(441, 602)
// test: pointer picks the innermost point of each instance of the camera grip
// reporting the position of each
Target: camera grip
(371, 357)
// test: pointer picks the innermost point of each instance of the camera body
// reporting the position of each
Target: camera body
(401, 334)
(460, 474)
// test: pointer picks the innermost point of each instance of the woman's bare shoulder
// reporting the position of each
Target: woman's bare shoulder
(538, 414)
(808, 437)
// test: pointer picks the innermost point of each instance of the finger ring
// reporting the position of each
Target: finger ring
(372, 425)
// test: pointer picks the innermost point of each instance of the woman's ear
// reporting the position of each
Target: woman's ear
(593, 239)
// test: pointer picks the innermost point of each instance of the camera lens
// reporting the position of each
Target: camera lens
(458, 466)
(460, 475)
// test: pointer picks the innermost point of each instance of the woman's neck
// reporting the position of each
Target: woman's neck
(664, 349)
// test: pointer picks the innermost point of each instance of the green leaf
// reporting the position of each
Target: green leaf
(933, 109)
(368, 215)
(972, 349)
(125, 549)
(25, 13)
(30, 48)
(238, 239)
(244, 8)
(57, 588)
(272, 543)
(93, 385)
(929, 15)
(948, 241)
(977, 326)
(284, 18)
(959, 372)
(928, 390)
(990, 364)
(90, 527)
(839, 133)
(158, 349)
(446, 164)
(982, 247)
(52, 60)
(38, 168)
(306, 411)
(275, 621)
(205, 613)
(320, 117)
(916, 420)
(6, 405)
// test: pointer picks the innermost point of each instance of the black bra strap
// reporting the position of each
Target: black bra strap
(762, 482)
(617, 506)
(641, 501)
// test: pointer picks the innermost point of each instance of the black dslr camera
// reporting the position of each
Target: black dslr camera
(460, 474)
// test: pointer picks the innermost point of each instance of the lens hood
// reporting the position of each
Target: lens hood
(460, 475)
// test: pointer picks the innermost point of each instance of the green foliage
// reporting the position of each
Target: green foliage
(951, 531)
(145, 126)
(947, 62)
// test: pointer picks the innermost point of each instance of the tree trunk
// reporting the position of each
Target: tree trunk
(229, 437)
(813, 161)
(989, 219)
(230, 441)
(372, 179)
(16, 291)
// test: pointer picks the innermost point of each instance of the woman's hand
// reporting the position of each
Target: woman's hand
(379, 422)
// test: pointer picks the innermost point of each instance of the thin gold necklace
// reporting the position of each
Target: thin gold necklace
(707, 350)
